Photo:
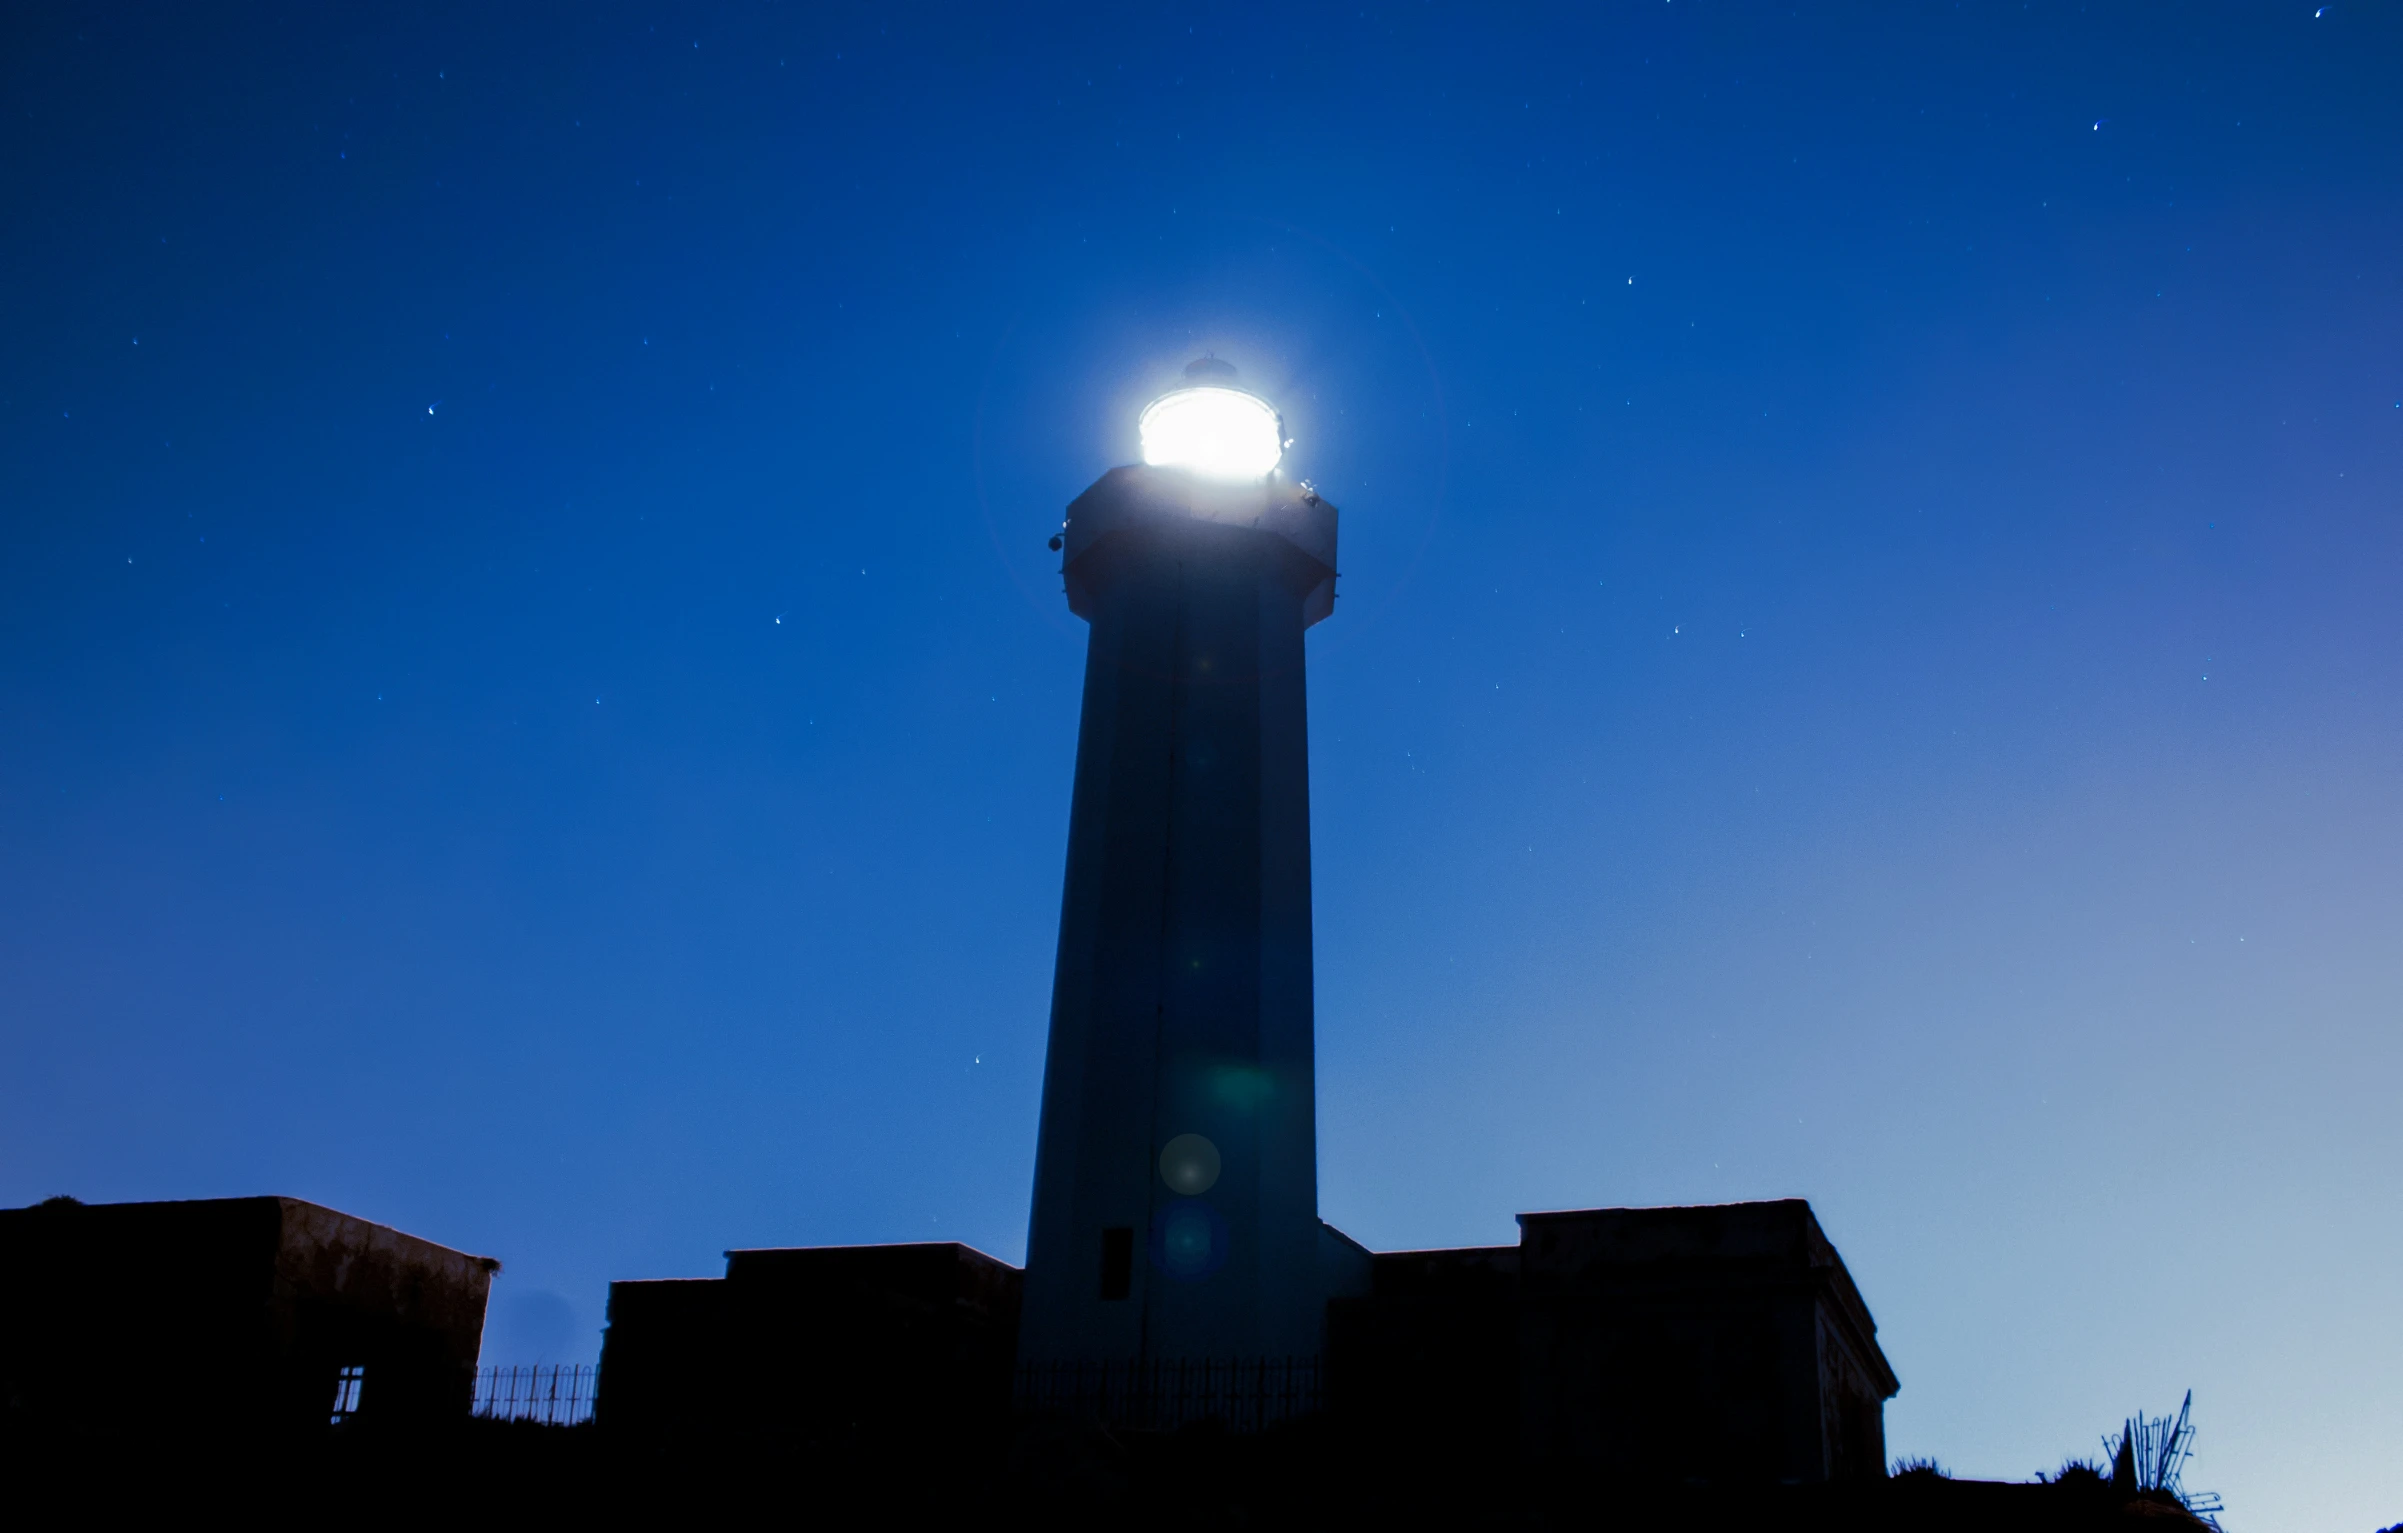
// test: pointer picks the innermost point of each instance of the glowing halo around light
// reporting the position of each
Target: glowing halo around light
(1221, 433)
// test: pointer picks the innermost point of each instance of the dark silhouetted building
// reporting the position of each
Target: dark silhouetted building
(230, 1314)
(1712, 1345)
(823, 1339)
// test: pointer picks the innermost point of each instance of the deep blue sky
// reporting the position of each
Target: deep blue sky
(535, 707)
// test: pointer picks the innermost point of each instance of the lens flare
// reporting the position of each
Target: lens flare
(1189, 1164)
(1190, 1240)
(1221, 433)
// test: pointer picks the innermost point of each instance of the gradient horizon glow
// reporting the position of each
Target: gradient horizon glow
(1868, 666)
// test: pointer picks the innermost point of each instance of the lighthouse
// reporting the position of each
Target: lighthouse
(1177, 1270)
(1175, 1212)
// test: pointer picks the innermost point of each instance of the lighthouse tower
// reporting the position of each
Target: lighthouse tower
(1176, 1175)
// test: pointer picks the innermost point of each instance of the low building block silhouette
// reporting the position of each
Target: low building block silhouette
(1711, 1345)
(1721, 1345)
(823, 1339)
(230, 1314)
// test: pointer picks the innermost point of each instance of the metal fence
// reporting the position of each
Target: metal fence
(1243, 1394)
(557, 1394)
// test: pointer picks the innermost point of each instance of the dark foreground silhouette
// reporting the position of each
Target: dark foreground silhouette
(1051, 1475)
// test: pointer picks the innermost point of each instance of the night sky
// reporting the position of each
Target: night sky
(534, 706)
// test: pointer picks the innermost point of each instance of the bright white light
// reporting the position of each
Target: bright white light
(1224, 433)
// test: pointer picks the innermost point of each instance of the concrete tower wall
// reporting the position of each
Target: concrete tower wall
(1182, 1001)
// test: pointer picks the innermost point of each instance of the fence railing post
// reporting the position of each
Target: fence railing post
(555, 1394)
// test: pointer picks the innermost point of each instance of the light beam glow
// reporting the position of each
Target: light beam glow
(1222, 433)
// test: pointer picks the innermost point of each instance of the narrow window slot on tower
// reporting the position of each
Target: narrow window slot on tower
(1117, 1263)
